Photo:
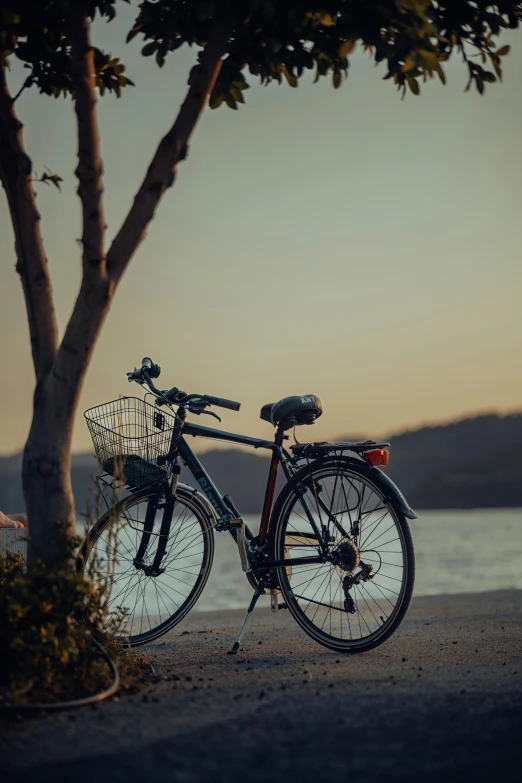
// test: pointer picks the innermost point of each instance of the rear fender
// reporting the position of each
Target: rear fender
(392, 492)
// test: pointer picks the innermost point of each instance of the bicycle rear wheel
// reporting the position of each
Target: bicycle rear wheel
(357, 598)
(145, 605)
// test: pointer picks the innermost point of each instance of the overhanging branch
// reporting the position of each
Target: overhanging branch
(172, 149)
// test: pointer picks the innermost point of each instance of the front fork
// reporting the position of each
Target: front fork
(170, 489)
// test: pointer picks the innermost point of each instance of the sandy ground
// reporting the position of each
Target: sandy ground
(441, 700)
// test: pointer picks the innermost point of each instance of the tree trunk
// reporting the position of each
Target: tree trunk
(46, 468)
(46, 475)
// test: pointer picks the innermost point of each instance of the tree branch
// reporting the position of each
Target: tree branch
(172, 149)
(24, 86)
(98, 286)
(90, 165)
(94, 298)
(15, 174)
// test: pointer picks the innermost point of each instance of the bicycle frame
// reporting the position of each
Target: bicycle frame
(226, 511)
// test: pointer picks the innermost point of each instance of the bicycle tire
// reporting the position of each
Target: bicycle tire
(197, 565)
(281, 537)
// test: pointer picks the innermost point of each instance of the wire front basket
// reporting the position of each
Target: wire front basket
(131, 439)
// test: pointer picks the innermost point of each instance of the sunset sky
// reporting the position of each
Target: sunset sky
(344, 243)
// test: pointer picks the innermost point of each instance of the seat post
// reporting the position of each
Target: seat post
(279, 436)
(270, 486)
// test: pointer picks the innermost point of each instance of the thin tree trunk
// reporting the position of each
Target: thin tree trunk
(16, 176)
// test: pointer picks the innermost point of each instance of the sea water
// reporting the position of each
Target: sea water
(455, 552)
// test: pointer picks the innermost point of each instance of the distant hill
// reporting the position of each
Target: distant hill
(471, 463)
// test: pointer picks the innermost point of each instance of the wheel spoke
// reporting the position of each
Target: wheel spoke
(322, 595)
(153, 603)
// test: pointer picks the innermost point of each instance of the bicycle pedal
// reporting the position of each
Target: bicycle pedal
(274, 600)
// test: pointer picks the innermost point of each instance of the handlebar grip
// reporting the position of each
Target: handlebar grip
(148, 364)
(222, 403)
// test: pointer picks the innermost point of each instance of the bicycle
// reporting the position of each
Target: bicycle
(335, 544)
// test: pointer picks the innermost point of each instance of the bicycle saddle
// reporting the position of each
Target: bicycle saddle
(292, 410)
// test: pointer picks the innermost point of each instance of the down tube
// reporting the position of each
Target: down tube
(203, 479)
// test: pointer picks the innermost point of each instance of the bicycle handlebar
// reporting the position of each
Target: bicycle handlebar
(150, 370)
(221, 402)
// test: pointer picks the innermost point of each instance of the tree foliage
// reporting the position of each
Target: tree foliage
(283, 39)
(274, 40)
(38, 34)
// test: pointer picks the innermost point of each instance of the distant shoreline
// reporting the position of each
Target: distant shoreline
(472, 463)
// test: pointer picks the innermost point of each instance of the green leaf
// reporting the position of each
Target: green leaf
(345, 49)
(409, 65)
(430, 59)
(503, 51)
(235, 93)
(149, 49)
(133, 33)
(290, 78)
(441, 74)
(327, 20)
(413, 85)
(215, 100)
(336, 79)
(496, 66)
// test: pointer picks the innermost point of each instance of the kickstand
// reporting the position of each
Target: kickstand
(259, 590)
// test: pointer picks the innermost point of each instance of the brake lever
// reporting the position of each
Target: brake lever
(198, 410)
(211, 413)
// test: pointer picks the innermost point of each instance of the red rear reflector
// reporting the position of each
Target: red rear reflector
(377, 456)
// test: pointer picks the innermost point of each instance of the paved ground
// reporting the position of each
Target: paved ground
(442, 700)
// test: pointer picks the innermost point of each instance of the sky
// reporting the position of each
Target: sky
(337, 242)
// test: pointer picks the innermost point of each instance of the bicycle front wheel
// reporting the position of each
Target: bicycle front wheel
(356, 598)
(144, 601)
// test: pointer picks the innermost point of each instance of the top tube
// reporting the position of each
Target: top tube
(200, 431)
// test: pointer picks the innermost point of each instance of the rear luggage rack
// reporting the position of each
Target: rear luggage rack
(314, 450)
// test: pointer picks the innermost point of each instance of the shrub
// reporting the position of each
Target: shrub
(47, 623)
